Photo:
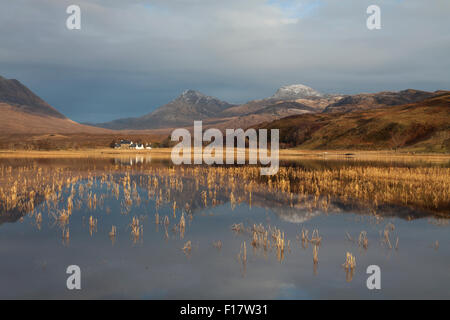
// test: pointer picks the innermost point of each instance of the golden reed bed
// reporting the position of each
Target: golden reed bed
(312, 185)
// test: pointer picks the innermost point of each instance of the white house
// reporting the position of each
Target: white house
(127, 144)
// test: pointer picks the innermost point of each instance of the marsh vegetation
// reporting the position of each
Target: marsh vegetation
(316, 219)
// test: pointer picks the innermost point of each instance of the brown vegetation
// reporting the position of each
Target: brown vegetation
(421, 126)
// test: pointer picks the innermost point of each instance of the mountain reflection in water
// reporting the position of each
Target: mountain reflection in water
(91, 211)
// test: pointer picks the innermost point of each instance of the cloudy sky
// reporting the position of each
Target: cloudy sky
(132, 56)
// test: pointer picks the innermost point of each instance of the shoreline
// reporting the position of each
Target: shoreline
(284, 154)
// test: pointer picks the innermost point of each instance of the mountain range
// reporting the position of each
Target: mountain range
(306, 117)
(287, 101)
(193, 105)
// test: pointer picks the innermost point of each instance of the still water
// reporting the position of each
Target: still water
(50, 197)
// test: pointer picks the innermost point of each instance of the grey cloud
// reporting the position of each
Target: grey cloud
(132, 56)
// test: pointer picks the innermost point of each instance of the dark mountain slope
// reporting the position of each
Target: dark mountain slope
(14, 93)
(189, 106)
(23, 112)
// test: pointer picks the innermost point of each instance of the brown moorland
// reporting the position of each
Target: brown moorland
(23, 122)
(423, 127)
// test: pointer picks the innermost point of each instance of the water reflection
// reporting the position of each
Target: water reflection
(131, 161)
(182, 231)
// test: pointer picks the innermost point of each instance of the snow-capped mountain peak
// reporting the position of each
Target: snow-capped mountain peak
(295, 91)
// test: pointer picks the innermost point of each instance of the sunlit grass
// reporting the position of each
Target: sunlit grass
(174, 194)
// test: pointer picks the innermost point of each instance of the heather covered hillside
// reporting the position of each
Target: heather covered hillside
(422, 126)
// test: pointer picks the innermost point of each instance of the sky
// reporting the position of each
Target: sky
(133, 56)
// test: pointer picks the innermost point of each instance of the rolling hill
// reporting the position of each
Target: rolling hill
(366, 101)
(419, 126)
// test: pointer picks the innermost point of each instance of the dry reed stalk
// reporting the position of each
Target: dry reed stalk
(254, 242)
(305, 235)
(350, 262)
(187, 247)
(278, 236)
(113, 232)
(66, 234)
(349, 274)
(315, 238)
(182, 222)
(182, 225)
(63, 217)
(243, 253)
(166, 221)
(315, 254)
(266, 240)
(232, 201)
(386, 238)
(92, 222)
(137, 229)
(362, 240)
